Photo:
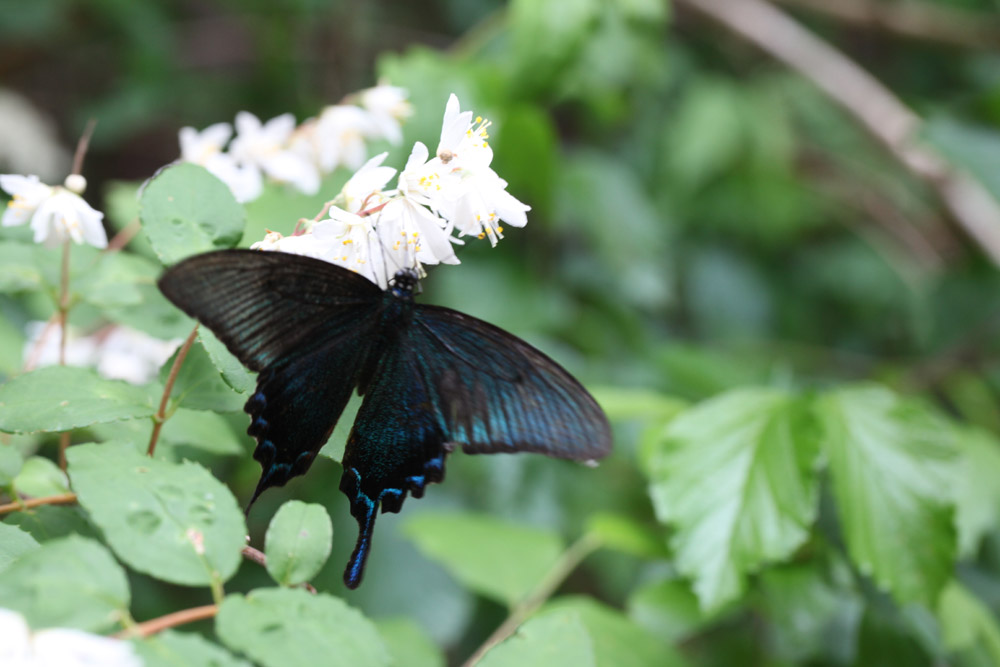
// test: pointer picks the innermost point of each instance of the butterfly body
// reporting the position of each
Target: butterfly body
(432, 379)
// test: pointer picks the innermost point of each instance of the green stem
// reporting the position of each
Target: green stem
(568, 562)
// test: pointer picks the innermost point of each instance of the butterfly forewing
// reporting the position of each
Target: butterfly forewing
(303, 323)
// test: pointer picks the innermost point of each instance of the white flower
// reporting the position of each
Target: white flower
(463, 140)
(308, 244)
(364, 189)
(266, 147)
(351, 239)
(388, 106)
(59, 647)
(55, 213)
(118, 352)
(482, 203)
(198, 147)
(340, 136)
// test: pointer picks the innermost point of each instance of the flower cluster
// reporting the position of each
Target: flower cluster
(117, 352)
(19, 647)
(376, 232)
(56, 213)
(298, 156)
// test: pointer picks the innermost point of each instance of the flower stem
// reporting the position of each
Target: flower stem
(82, 145)
(568, 562)
(20, 505)
(64, 438)
(161, 414)
(149, 628)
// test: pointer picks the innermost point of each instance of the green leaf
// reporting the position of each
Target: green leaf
(10, 464)
(298, 542)
(19, 267)
(501, 560)
(232, 371)
(616, 640)
(622, 403)
(408, 644)
(736, 476)
(810, 617)
(14, 543)
(288, 627)
(185, 210)
(334, 447)
(71, 582)
(668, 609)
(203, 430)
(61, 398)
(116, 280)
(175, 522)
(40, 477)
(184, 649)
(558, 639)
(199, 384)
(966, 621)
(623, 534)
(890, 461)
(49, 522)
(974, 147)
(977, 497)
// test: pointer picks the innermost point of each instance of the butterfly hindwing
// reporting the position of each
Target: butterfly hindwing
(304, 324)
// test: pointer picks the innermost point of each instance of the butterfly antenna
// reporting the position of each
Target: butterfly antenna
(356, 566)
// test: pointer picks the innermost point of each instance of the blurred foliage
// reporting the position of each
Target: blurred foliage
(708, 230)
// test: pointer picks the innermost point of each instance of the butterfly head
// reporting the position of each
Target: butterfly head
(404, 283)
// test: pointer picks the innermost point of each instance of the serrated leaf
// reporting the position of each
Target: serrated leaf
(334, 447)
(624, 534)
(736, 476)
(10, 464)
(203, 430)
(966, 621)
(19, 270)
(557, 639)
(40, 477)
(184, 649)
(233, 372)
(175, 522)
(501, 560)
(199, 384)
(977, 497)
(298, 542)
(185, 210)
(14, 543)
(288, 627)
(61, 398)
(71, 582)
(408, 644)
(616, 640)
(890, 461)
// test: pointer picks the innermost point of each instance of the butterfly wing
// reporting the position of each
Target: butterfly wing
(451, 379)
(304, 324)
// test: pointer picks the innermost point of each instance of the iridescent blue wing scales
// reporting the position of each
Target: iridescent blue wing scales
(304, 324)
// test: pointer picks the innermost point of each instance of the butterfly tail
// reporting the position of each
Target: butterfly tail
(364, 509)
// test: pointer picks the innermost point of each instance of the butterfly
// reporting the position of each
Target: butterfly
(431, 378)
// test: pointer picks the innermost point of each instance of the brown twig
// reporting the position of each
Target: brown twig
(121, 239)
(82, 145)
(20, 505)
(152, 627)
(257, 556)
(161, 414)
(919, 20)
(874, 106)
(568, 562)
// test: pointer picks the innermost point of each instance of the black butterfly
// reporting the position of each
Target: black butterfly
(431, 377)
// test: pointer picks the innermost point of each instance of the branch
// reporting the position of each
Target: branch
(162, 623)
(20, 505)
(568, 562)
(920, 20)
(872, 105)
(161, 414)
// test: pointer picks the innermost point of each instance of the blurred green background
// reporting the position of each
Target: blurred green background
(702, 219)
